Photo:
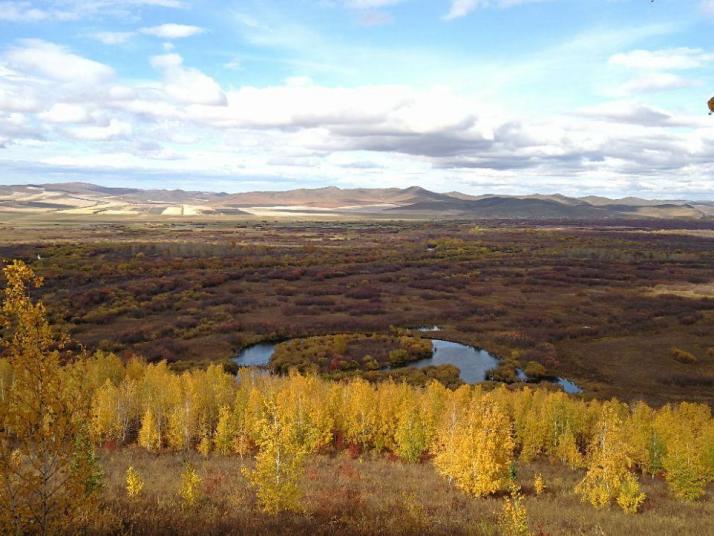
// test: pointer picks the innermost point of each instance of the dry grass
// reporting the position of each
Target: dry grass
(692, 290)
(371, 496)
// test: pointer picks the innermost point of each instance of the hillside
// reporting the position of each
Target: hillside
(83, 199)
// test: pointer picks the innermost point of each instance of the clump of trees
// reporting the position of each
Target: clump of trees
(344, 352)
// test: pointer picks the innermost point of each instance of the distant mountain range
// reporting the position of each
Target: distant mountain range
(82, 199)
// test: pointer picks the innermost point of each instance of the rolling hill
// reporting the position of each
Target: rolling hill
(83, 199)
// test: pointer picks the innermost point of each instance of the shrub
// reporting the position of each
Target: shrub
(534, 370)
(514, 518)
(190, 490)
(683, 356)
(134, 483)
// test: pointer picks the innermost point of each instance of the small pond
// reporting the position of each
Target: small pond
(473, 363)
(256, 355)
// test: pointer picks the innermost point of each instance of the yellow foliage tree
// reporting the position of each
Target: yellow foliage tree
(226, 432)
(204, 446)
(105, 424)
(149, 436)
(279, 463)
(648, 446)
(134, 483)
(478, 452)
(608, 476)
(689, 449)
(359, 413)
(190, 490)
(539, 484)
(411, 437)
(514, 518)
(47, 470)
(567, 451)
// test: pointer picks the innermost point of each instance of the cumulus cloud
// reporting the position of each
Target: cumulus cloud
(305, 130)
(187, 85)
(172, 31)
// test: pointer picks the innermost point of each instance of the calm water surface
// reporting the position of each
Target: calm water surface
(473, 363)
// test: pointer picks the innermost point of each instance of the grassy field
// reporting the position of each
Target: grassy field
(373, 495)
(587, 300)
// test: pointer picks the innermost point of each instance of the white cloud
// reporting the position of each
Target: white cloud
(375, 18)
(635, 113)
(27, 12)
(664, 59)
(69, 10)
(63, 112)
(461, 8)
(370, 4)
(181, 121)
(166, 61)
(234, 64)
(172, 31)
(187, 85)
(708, 7)
(654, 82)
(651, 67)
(16, 100)
(112, 38)
(34, 56)
(114, 130)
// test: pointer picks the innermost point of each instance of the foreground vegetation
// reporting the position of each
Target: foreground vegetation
(280, 433)
(370, 494)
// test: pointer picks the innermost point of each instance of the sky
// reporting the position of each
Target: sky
(580, 97)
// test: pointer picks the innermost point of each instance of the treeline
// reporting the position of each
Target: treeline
(476, 437)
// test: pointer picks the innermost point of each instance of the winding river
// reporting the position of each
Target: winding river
(473, 363)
